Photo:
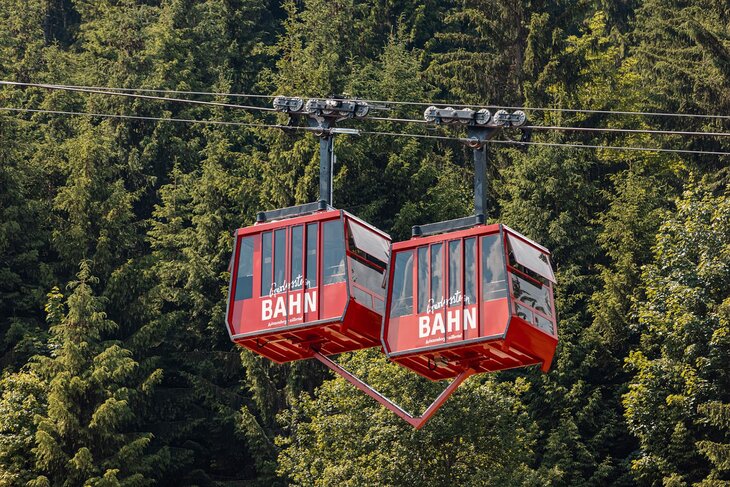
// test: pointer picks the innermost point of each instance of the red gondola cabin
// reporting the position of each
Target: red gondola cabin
(480, 298)
(308, 282)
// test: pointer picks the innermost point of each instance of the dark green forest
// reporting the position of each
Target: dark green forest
(115, 239)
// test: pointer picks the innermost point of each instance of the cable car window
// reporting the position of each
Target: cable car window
(402, 291)
(379, 305)
(437, 273)
(470, 271)
(366, 276)
(455, 293)
(244, 280)
(297, 243)
(524, 313)
(531, 258)
(532, 295)
(544, 324)
(362, 297)
(279, 258)
(494, 283)
(422, 279)
(266, 263)
(333, 252)
(311, 255)
(369, 242)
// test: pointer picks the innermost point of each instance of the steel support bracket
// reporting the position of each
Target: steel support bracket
(416, 421)
(326, 148)
(477, 136)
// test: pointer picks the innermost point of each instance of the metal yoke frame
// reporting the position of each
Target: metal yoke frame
(416, 421)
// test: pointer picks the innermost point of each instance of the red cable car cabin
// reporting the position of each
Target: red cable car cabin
(311, 282)
(480, 298)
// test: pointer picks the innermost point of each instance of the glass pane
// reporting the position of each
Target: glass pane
(544, 324)
(312, 255)
(244, 280)
(266, 263)
(362, 297)
(422, 279)
(297, 243)
(333, 252)
(494, 284)
(470, 271)
(366, 276)
(532, 295)
(524, 313)
(279, 260)
(455, 296)
(370, 242)
(379, 305)
(402, 285)
(531, 258)
(437, 274)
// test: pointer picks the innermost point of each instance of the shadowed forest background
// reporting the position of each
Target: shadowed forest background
(115, 237)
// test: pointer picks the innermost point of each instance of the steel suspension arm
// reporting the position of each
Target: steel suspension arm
(417, 422)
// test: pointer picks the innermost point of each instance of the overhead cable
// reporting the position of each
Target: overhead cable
(609, 147)
(134, 95)
(393, 102)
(550, 144)
(580, 129)
(158, 119)
(172, 92)
(625, 131)
(364, 132)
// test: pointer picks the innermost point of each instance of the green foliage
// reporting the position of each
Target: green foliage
(682, 361)
(717, 415)
(341, 436)
(131, 378)
(23, 397)
(76, 407)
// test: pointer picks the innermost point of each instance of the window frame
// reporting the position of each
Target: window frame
(504, 264)
(526, 254)
(239, 262)
(513, 272)
(340, 222)
(408, 274)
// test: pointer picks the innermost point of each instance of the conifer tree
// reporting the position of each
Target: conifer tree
(197, 408)
(560, 198)
(86, 433)
(341, 436)
(153, 205)
(718, 452)
(25, 265)
(682, 363)
(24, 235)
(22, 397)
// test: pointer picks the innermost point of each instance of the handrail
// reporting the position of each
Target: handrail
(416, 421)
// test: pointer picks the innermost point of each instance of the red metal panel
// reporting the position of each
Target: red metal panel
(428, 343)
(469, 232)
(494, 317)
(532, 341)
(273, 225)
(283, 308)
(450, 320)
(286, 324)
(434, 328)
(264, 314)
